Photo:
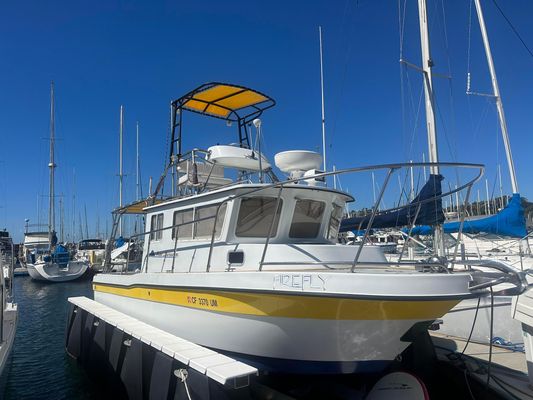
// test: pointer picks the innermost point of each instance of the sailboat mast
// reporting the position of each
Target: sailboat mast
(61, 220)
(427, 64)
(137, 164)
(496, 93)
(86, 224)
(120, 173)
(52, 165)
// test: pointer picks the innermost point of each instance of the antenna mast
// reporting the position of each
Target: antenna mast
(323, 110)
(496, 93)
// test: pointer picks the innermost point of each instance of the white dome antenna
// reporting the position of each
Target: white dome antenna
(299, 163)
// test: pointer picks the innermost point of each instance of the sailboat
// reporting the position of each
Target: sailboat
(508, 223)
(54, 264)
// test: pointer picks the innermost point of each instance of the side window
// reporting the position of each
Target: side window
(334, 222)
(156, 224)
(307, 219)
(153, 220)
(256, 215)
(184, 231)
(204, 229)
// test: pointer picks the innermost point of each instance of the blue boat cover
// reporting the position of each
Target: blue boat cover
(427, 199)
(61, 255)
(508, 222)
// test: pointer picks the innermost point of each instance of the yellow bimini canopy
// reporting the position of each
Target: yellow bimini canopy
(225, 101)
(220, 100)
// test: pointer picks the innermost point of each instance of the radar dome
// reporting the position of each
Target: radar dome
(297, 160)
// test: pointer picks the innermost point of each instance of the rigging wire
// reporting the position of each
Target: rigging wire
(416, 110)
(473, 325)
(407, 86)
(515, 31)
(469, 47)
(491, 335)
(453, 146)
(347, 56)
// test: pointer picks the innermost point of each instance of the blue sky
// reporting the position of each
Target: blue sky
(141, 54)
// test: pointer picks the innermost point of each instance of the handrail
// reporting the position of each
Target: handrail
(270, 229)
(371, 220)
(391, 168)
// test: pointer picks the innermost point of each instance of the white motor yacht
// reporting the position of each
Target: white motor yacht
(91, 251)
(35, 243)
(250, 266)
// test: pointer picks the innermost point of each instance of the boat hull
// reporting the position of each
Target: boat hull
(10, 327)
(298, 331)
(281, 344)
(52, 272)
(458, 322)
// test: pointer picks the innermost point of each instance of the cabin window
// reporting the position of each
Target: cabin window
(307, 219)
(334, 222)
(156, 224)
(256, 215)
(184, 231)
(204, 229)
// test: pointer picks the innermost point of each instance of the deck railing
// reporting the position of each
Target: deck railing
(389, 169)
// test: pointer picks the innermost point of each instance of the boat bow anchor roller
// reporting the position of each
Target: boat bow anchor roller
(248, 265)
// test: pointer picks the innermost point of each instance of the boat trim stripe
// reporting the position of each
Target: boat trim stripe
(284, 305)
(358, 296)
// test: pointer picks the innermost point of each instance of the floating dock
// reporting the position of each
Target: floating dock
(148, 360)
(138, 361)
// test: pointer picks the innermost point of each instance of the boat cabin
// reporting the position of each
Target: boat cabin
(91, 244)
(236, 224)
(228, 208)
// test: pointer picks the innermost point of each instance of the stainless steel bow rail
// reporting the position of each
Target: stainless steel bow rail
(390, 169)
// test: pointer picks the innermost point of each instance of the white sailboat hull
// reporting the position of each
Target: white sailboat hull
(458, 322)
(52, 272)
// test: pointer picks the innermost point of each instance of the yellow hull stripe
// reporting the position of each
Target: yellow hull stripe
(290, 306)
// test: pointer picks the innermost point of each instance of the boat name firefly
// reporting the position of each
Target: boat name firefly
(299, 281)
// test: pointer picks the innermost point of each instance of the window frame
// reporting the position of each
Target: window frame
(190, 225)
(156, 226)
(320, 221)
(221, 212)
(276, 218)
(333, 217)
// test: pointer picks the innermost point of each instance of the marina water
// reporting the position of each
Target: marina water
(40, 367)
